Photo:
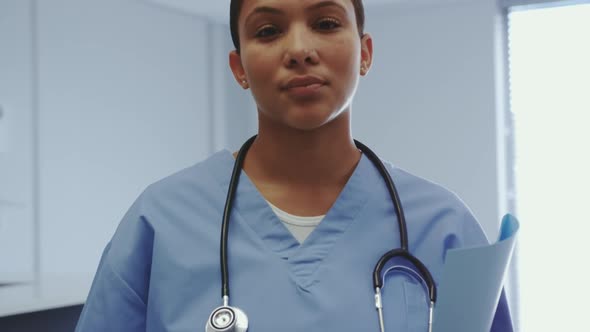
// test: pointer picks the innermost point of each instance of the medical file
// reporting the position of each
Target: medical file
(471, 283)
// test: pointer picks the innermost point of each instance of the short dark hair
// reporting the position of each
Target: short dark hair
(236, 6)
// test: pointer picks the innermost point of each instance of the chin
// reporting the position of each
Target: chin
(304, 117)
(310, 122)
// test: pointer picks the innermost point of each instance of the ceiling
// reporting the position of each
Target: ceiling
(218, 10)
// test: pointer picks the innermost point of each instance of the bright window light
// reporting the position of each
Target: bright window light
(550, 100)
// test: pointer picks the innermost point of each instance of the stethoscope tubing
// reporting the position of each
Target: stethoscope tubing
(403, 251)
(231, 193)
(401, 219)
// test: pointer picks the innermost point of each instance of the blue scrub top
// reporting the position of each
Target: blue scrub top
(161, 270)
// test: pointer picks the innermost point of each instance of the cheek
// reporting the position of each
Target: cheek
(343, 56)
(258, 66)
(343, 59)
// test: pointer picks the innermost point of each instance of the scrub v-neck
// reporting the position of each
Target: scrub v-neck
(303, 259)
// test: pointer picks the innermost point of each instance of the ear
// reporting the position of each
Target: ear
(235, 63)
(366, 53)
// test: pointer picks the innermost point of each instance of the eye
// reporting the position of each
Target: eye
(267, 31)
(327, 24)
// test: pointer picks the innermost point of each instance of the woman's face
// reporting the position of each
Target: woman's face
(301, 59)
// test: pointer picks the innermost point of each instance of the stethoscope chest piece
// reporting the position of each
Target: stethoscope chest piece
(227, 319)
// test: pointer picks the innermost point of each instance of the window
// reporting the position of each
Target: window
(550, 101)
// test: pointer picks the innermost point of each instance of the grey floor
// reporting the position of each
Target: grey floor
(57, 320)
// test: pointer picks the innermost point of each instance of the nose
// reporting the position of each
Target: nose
(300, 50)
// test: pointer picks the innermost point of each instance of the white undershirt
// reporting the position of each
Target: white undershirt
(299, 226)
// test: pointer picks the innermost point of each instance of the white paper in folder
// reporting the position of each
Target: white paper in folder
(471, 283)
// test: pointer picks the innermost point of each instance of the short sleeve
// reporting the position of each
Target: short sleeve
(118, 296)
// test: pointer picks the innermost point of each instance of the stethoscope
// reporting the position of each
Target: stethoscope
(233, 319)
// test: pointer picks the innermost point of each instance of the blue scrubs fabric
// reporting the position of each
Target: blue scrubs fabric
(161, 270)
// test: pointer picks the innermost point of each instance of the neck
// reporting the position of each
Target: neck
(325, 156)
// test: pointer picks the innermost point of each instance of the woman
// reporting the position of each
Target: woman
(312, 214)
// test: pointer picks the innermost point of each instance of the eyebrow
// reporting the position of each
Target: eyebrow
(276, 11)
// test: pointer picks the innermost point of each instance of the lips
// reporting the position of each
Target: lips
(304, 82)
(304, 87)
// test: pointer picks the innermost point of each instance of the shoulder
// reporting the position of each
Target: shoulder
(416, 188)
(441, 208)
(205, 175)
(197, 185)
(185, 199)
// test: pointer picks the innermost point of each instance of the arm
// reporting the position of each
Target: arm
(118, 297)
(112, 305)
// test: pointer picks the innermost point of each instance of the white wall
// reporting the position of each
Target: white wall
(122, 103)
(123, 95)
(430, 103)
(16, 143)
